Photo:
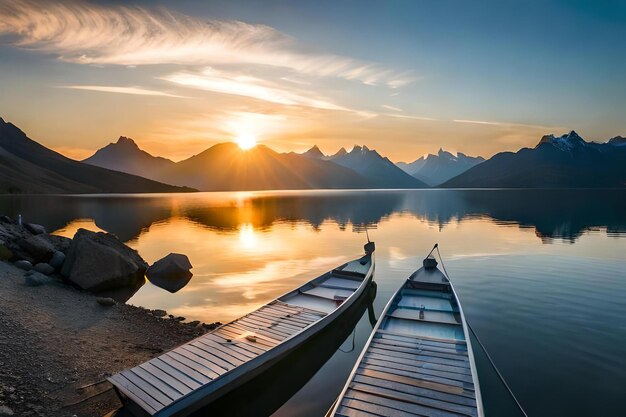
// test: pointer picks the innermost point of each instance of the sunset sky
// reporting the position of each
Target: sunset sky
(403, 77)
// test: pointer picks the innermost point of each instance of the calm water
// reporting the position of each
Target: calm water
(541, 274)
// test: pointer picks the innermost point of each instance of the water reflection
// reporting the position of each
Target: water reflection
(563, 214)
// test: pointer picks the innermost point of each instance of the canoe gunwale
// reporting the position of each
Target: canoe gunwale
(409, 284)
(208, 392)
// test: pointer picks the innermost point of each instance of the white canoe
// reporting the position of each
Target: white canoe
(193, 375)
(418, 360)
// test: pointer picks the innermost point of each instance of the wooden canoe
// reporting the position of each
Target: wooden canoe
(195, 374)
(418, 360)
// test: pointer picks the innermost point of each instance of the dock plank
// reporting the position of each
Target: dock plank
(461, 356)
(415, 391)
(167, 378)
(398, 404)
(188, 367)
(415, 382)
(165, 388)
(456, 409)
(146, 387)
(210, 357)
(230, 353)
(138, 396)
(176, 373)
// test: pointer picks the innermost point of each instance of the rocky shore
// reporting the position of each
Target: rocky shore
(59, 341)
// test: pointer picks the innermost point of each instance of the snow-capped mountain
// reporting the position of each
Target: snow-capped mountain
(566, 161)
(437, 169)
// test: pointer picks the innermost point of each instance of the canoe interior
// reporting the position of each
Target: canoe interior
(191, 375)
(417, 360)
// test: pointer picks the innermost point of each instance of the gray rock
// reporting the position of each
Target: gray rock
(106, 301)
(159, 313)
(44, 268)
(171, 272)
(38, 247)
(35, 279)
(5, 411)
(35, 229)
(5, 252)
(25, 265)
(99, 261)
(5, 219)
(57, 260)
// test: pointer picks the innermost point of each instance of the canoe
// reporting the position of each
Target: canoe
(197, 373)
(418, 359)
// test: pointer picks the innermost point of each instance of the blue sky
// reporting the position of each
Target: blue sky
(404, 77)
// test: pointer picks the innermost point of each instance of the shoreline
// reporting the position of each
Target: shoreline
(58, 345)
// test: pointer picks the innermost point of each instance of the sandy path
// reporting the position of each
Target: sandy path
(55, 339)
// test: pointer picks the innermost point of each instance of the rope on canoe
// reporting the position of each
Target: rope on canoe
(493, 365)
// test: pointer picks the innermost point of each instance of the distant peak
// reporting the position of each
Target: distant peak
(314, 152)
(340, 152)
(2, 120)
(617, 140)
(123, 140)
(564, 142)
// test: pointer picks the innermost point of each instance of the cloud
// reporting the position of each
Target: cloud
(505, 124)
(392, 108)
(121, 90)
(123, 35)
(248, 86)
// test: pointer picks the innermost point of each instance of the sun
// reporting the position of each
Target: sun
(246, 141)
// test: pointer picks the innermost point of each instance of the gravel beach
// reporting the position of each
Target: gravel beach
(55, 341)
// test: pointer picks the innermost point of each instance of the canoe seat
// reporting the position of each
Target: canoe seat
(425, 315)
(424, 328)
(429, 303)
(329, 293)
(341, 283)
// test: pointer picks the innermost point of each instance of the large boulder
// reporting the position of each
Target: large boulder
(57, 260)
(171, 272)
(5, 252)
(99, 261)
(38, 247)
(35, 229)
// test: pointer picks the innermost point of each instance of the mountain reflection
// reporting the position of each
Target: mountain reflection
(560, 214)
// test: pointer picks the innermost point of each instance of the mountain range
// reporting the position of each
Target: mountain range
(225, 167)
(437, 169)
(566, 161)
(29, 167)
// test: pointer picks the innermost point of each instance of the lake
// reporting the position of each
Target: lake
(541, 274)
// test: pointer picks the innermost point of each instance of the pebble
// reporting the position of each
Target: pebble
(23, 264)
(106, 301)
(35, 279)
(5, 411)
(44, 268)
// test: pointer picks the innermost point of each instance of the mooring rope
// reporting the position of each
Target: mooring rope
(493, 365)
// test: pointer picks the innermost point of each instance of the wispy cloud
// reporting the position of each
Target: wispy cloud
(392, 108)
(505, 124)
(90, 34)
(248, 86)
(121, 90)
